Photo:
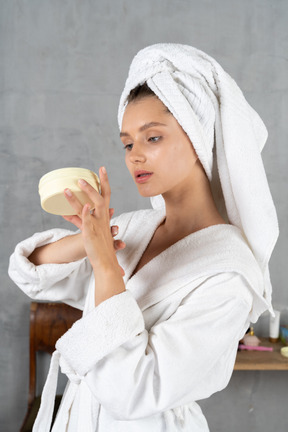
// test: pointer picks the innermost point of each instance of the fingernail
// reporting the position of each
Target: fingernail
(68, 192)
(115, 230)
(82, 182)
(104, 170)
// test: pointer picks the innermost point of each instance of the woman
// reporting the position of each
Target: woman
(164, 335)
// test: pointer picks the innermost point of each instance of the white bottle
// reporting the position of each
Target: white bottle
(274, 326)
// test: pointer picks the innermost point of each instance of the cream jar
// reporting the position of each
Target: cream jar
(52, 185)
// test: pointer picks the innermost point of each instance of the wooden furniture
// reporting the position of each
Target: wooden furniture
(48, 322)
(262, 360)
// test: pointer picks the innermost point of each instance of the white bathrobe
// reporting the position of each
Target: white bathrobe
(140, 360)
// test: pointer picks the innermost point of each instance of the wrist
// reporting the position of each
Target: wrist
(108, 282)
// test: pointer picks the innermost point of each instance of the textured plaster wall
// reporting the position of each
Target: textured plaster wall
(63, 64)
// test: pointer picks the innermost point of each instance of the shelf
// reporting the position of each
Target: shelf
(262, 360)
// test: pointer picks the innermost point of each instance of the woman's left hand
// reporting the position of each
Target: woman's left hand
(96, 231)
(97, 239)
(94, 223)
(99, 243)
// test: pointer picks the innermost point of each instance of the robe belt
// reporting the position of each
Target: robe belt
(44, 417)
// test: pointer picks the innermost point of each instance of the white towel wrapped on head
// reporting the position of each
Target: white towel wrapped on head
(212, 110)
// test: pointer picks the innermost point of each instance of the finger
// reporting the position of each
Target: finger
(111, 212)
(73, 201)
(114, 230)
(75, 220)
(118, 245)
(92, 193)
(86, 221)
(86, 212)
(105, 186)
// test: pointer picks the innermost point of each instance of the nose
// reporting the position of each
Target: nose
(136, 155)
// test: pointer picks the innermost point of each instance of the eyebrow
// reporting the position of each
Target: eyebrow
(144, 127)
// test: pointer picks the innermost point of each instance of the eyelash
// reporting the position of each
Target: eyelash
(151, 139)
(128, 147)
(154, 137)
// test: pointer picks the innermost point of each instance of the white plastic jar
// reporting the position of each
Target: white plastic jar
(52, 185)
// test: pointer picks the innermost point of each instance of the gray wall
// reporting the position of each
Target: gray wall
(63, 67)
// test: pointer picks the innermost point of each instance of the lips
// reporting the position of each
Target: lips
(142, 176)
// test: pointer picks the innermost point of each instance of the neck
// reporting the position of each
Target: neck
(193, 208)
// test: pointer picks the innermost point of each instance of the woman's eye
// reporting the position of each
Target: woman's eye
(154, 139)
(128, 147)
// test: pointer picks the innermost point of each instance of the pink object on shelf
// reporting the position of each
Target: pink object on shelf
(255, 348)
(251, 339)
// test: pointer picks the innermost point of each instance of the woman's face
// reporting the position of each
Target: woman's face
(158, 153)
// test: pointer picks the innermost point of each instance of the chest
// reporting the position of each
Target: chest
(158, 244)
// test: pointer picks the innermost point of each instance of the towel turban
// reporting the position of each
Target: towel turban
(225, 131)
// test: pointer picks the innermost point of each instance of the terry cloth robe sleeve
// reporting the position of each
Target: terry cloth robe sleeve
(134, 372)
(51, 282)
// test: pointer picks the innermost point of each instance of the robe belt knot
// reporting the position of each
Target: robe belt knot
(67, 370)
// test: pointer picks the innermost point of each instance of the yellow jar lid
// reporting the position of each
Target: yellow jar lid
(52, 185)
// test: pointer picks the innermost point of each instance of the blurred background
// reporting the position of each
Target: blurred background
(63, 65)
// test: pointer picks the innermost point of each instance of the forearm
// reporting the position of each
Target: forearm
(108, 282)
(66, 250)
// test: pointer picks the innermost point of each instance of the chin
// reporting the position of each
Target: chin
(147, 194)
